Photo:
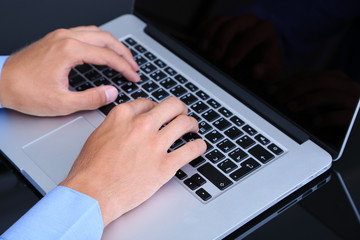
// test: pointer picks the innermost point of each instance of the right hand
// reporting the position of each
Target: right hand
(125, 160)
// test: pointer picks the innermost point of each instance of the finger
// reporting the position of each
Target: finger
(167, 110)
(106, 39)
(92, 98)
(86, 28)
(181, 125)
(185, 154)
(140, 105)
(87, 53)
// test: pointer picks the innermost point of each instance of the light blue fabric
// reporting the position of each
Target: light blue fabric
(2, 61)
(62, 214)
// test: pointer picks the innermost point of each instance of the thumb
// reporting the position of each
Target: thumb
(94, 98)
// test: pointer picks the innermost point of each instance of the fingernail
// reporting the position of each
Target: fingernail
(111, 94)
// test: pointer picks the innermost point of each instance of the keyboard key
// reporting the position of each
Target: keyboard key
(147, 67)
(198, 179)
(102, 81)
(150, 56)
(76, 80)
(213, 103)
(143, 78)
(93, 75)
(209, 147)
(192, 114)
(214, 136)
(140, 60)
(178, 143)
(188, 137)
(215, 176)
(238, 155)
(199, 107)
(160, 94)
(83, 68)
(130, 41)
(204, 195)
(188, 99)
(204, 127)
(107, 108)
(215, 156)
(122, 98)
(221, 124)
(72, 73)
(139, 94)
(263, 140)
(168, 83)
(110, 73)
(226, 145)
(180, 78)
(133, 52)
(245, 168)
(191, 87)
(233, 133)
(178, 91)
(210, 115)
(245, 142)
(157, 75)
(160, 63)
(249, 130)
(170, 71)
(84, 86)
(191, 184)
(150, 86)
(197, 162)
(227, 166)
(261, 154)
(129, 87)
(225, 112)
(275, 149)
(202, 95)
(119, 80)
(140, 48)
(180, 174)
(237, 121)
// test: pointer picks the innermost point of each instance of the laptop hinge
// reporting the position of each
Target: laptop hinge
(233, 88)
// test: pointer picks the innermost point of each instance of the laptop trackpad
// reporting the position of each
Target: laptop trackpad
(56, 151)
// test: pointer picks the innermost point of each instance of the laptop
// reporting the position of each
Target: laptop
(256, 155)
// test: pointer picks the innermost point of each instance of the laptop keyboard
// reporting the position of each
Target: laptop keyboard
(235, 148)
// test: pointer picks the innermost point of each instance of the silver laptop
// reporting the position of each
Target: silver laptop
(255, 156)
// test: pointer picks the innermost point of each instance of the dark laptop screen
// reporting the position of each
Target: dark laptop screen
(300, 57)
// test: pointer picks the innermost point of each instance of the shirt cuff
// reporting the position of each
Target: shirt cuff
(62, 214)
(2, 61)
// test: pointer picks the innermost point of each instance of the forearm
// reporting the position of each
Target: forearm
(2, 61)
(62, 214)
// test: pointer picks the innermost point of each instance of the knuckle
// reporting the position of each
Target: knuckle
(59, 33)
(68, 44)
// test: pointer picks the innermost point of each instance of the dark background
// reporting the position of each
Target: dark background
(325, 214)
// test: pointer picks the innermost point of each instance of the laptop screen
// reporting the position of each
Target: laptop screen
(300, 57)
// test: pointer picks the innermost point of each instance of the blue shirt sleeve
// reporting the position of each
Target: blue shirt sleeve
(2, 61)
(62, 214)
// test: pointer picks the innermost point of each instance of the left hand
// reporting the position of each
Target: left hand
(35, 80)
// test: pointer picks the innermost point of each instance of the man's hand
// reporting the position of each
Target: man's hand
(35, 79)
(125, 160)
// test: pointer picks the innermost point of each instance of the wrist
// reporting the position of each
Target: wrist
(2, 63)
